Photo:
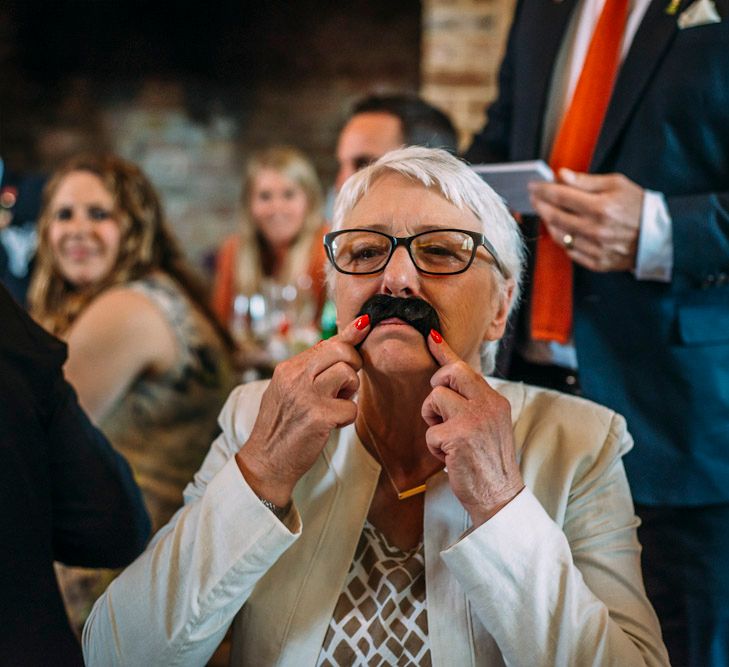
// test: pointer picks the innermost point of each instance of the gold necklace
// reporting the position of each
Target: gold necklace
(401, 495)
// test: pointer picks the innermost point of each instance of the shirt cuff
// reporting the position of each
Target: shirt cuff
(654, 260)
(252, 507)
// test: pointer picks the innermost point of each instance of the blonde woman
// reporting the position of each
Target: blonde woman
(146, 355)
(279, 242)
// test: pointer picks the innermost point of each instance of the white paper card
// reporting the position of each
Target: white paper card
(510, 180)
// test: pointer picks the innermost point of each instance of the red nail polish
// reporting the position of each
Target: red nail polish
(436, 336)
(362, 322)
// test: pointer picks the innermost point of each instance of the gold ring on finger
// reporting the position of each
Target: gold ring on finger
(568, 241)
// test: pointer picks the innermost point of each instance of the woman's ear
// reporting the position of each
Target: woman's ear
(502, 306)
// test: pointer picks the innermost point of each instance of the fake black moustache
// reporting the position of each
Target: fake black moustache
(416, 312)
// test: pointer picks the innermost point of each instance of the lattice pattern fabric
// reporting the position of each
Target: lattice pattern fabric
(381, 616)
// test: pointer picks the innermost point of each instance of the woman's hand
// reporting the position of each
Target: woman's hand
(470, 431)
(309, 396)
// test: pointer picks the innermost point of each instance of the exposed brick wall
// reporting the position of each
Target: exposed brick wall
(462, 47)
(294, 83)
(282, 73)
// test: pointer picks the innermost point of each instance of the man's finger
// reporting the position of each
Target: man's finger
(565, 198)
(587, 182)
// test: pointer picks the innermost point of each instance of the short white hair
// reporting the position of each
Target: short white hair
(462, 187)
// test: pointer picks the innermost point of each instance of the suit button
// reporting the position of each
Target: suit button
(722, 279)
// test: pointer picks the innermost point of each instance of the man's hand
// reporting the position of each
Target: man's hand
(470, 431)
(309, 396)
(600, 212)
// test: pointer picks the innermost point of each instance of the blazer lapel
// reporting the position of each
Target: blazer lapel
(287, 615)
(654, 35)
(449, 623)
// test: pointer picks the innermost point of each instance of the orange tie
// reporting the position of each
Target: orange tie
(551, 305)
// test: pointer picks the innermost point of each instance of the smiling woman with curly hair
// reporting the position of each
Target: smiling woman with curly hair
(145, 354)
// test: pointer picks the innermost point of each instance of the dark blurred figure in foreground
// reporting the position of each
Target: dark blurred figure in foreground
(65, 494)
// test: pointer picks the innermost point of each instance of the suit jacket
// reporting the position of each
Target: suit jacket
(64, 494)
(657, 353)
(552, 579)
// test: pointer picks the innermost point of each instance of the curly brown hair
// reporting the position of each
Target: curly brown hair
(147, 244)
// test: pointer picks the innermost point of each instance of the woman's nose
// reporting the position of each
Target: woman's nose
(278, 205)
(79, 222)
(400, 277)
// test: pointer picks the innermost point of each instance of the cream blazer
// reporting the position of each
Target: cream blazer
(552, 579)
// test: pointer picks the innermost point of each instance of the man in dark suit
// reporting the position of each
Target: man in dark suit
(64, 494)
(647, 231)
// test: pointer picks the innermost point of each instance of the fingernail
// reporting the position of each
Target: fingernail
(567, 174)
(362, 322)
(437, 338)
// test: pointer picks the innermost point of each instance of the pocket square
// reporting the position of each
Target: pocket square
(701, 12)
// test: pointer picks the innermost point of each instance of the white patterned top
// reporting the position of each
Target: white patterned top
(381, 616)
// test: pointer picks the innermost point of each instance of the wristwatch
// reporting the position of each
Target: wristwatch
(279, 512)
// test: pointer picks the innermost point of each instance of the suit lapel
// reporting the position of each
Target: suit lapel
(656, 31)
(547, 21)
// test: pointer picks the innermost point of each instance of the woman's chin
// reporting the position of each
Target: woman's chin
(397, 356)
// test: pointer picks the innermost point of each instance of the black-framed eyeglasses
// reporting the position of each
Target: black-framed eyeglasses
(435, 252)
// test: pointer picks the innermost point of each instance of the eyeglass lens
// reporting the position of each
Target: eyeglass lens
(447, 251)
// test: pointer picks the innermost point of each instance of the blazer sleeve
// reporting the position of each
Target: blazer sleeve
(62, 465)
(571, 596)
(174, 604)
(99, 518)
(700, 238)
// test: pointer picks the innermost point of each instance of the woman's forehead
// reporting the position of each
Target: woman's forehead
(394, 201)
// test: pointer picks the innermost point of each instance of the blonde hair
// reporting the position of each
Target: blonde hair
(295, 166)
(147, 243)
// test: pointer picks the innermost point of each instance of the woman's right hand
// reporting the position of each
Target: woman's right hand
(309, 396)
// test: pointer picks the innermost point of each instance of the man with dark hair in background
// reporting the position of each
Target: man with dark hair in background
(381, 123)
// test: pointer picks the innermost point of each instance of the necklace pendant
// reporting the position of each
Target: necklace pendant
(409, 493)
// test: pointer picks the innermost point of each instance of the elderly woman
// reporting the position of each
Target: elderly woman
(379, 501)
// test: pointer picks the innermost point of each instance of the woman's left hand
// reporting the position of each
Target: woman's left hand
(470, 431)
